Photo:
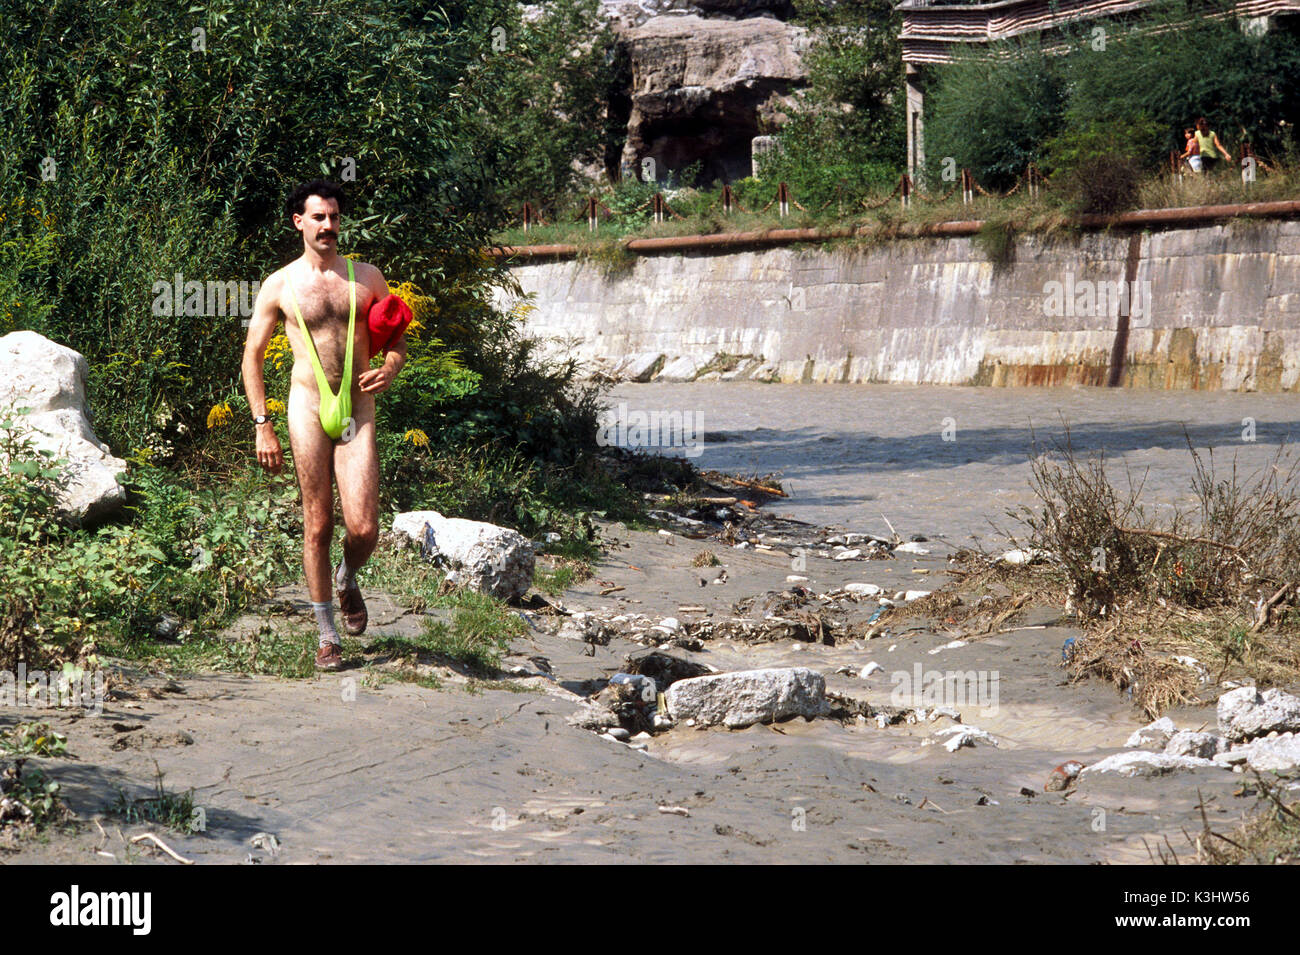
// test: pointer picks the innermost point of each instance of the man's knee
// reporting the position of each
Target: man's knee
(364, 534)
(318, 532)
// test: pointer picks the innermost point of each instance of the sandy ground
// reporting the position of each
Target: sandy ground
(401, 773)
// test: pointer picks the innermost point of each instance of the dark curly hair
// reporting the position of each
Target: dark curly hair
(297, 201)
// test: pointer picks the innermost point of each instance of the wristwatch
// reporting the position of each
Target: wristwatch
(261, 419)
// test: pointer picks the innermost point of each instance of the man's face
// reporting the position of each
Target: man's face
(319, 224)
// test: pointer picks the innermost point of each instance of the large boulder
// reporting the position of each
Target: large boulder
(1142, 763)
(1245, 713)
(484, 557)
(50, 379)
(1278, 754)
(748, 696)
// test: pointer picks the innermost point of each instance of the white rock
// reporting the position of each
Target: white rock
(1233, 756)
(641, 367)
(681, 368)
(915, 595)
(911, 547)
(955, 737)
(618, 732)
(593, 716)
(1142, 763)
(1276, 755)
(1023, 556)
(795, 579)
(1246, 713)
(870, 668)
(1153, 734)
(748, 696)
(50, 380)
(947, 711)
(1201, 745)
(862, 590)
(484, 557)
(670, 623)
(849, 555)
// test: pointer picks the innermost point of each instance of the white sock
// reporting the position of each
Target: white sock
(344, 575)
(325, 620)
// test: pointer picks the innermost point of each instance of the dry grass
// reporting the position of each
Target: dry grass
(1269, 836)
(1217, 581)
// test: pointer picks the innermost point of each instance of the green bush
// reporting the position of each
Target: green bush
(1126, 90)
(1098, 167)
(56, 584)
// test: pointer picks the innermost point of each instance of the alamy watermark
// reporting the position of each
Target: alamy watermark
(1084, 298)
(53, 689)
(919, 688)
(621, 428)
(208, 299)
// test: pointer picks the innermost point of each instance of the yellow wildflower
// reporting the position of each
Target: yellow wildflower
(417, 438)
(219, 416)
(273, 406)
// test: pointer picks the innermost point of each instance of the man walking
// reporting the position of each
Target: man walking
(331, 407)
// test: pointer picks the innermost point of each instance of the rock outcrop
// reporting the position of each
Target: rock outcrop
(702, 89)
(50, 380)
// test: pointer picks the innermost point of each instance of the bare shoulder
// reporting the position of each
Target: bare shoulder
(372, 278)
(274, 282)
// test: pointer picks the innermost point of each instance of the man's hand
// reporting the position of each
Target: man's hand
(376, 380)
(269, 453)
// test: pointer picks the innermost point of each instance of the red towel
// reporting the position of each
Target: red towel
(387, 319)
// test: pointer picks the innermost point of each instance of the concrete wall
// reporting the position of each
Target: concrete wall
(1215, 307)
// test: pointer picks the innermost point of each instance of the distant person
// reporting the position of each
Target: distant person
(1208, 146)
(1191, 151)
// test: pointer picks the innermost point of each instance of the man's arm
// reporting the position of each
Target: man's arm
(261, 328)
(377, 380)
(1221, 148)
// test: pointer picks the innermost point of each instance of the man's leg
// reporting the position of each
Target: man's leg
(356, 467)
(313, 457)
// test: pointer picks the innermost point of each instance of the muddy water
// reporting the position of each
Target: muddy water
(942, 461)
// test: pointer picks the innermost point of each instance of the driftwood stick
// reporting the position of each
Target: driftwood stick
(1176, 537)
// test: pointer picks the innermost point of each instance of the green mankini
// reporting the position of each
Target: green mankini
(335, 409)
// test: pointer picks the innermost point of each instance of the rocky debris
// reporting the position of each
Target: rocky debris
(681, 368)
(1273, 754)
(911, 547)
(863, 590)
(1063, 776)
(746, 697)
(594, 716)
(1022, 556)
(663, 668)
(1200, 745)
(1153, 734)
(49, 379)
(484, 557)
(1142, 763)
(586, 627)
(640, 367)
(956, 737)
(632, 698)
(1246, 713)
